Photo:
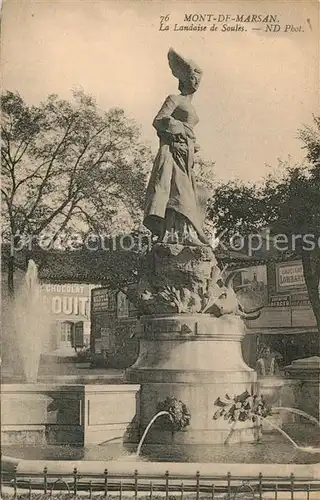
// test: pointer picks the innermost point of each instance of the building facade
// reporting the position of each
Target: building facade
(83, 313)
(113, 327)
(68, 305)
(287, 323)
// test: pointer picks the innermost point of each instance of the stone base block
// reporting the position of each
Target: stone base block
(64, 434)
(305, 373)
(74, 414)
(26, 435)
(110, 412)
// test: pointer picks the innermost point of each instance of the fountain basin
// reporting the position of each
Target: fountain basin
(243, 458)
(306, 470)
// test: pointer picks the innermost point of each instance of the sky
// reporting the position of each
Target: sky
(257, 89)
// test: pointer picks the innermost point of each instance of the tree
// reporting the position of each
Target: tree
(67, 166)
(287, 202)
(310, 136)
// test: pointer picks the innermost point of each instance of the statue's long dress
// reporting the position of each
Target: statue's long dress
(173, 199)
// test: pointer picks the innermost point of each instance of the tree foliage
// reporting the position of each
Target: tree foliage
(69, 166)
(310, 136)
(287, 202)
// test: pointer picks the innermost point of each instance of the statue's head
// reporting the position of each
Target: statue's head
(188, 72)
(190, 83)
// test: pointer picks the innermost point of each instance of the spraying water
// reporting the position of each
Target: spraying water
(307, 449)
(298, 412)
(276, 427)
(31, 324)
(159, 414)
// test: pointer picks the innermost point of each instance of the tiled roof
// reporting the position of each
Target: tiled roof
(97, 266)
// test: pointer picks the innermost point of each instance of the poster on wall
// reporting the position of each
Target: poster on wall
(100, 300)
(103, 300)
(122, 305)
(289, 276)
(253, 290)
(107, 335)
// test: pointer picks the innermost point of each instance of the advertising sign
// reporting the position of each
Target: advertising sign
(300, 299)
(279, 301)
(290, 276)
(103, 301)
(67, 300)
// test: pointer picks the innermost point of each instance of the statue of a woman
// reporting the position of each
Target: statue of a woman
(175, 206)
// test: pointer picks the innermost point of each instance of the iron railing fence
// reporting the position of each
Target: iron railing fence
(134, 484)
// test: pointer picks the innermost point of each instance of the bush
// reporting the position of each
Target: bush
(241, 408)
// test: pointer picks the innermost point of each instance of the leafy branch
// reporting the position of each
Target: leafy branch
(242, 408)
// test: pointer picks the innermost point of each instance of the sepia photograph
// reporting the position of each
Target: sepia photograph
(160, 249)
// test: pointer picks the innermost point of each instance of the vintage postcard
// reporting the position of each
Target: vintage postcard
(160, 249)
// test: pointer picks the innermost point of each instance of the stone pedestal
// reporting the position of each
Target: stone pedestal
(305, 374)
(195, 358)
